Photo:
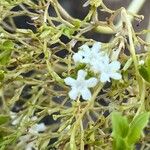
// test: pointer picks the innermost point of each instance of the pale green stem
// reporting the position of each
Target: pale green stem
(48, 54)
(125, 18)
(51, 71)
(79, 119)
(134, 7)
(148, 34)
(141, 82)
(82, 136)
(142, 99)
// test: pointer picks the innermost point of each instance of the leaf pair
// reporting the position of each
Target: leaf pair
(144, 70)
(126, 135)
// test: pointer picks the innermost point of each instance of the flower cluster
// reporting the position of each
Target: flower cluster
(26, 140)
(97, 61)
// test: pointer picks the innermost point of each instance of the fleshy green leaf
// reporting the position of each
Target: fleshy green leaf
(119, 144)
(47, 31)
(136, 127)
(127, 64)
(148, 62)
(145, 73)
(5, 51)
(145, 69)
(7, 45)
(4, 57)
(67, 31)
(77, 23)
(120, 125)
(1, 75)
(4, 119)
(95, 3)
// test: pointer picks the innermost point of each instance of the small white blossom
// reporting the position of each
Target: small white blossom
(141, 62)
(1, 35)
(108, 69)
(88, 55)
(15, 118)
(80, 85)
(31, 145)
(26, 143)
(35, 129)
(26, 140)
(86, 3)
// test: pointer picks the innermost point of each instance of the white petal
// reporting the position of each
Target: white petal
(24, 138)
(101, 66)
(73, 94)
(141, 62)
(34, 118)
(69, 81)
(86, 94)
(40, 127)
(105, 59)
(77, 57)
(37, 128)
(116, 76)
(13, 115)
(96, 66)
(86, 3)
(33, 131)
(115, 65)
(85, 48)
(29, 146)
(96, 47)
(115, 54)
(15, 121)
(81, 75)
(104, 77)
(91, 82)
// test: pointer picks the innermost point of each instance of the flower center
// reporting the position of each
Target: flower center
(80, 85)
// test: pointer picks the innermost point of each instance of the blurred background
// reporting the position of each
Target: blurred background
(75, 8)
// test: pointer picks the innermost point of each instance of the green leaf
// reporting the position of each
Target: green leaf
(5, 57)
(136, 127)
(67, 31)
(119, 144)
(148, 62)
(1, 75)
(4, 119)
(77, 23)
(120, 125)
(144, 70)
(127, 64)
(6, 49)
(95, 3)
(145, 73)
(47, 31)
(6, 45)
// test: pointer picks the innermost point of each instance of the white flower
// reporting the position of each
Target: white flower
(35, 129)
(30, 146)
(141, 62)
(80, 85)
(88, 55)
(15, 118)
(27, 142)
(24, 142)
(108, 70)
